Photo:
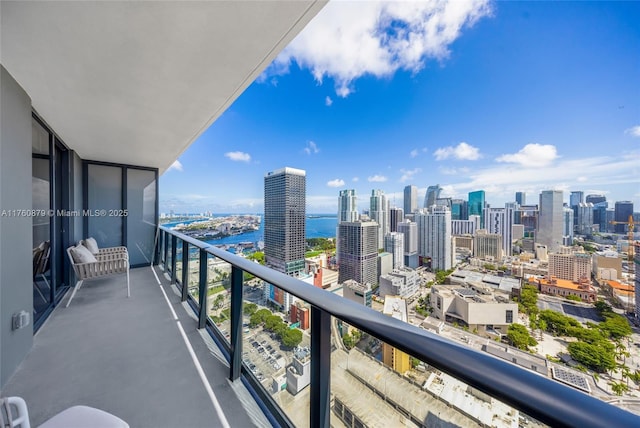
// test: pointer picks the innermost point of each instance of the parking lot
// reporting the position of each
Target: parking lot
(262, 354)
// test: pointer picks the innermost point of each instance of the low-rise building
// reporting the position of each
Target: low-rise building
(403, 282)
(356, 292)
(299, 372)
(562, 287)
(478, 307)
(396, 307)
(604, 262)
(300, 313)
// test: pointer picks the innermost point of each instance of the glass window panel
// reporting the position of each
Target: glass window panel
(276, 349)
(39, 139)
(105, 203)
(140, 215)
(41, 236)
(219, 294)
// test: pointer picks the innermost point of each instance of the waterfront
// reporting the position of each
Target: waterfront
(317, 226)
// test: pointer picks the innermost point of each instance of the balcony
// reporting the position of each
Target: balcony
(131, 357)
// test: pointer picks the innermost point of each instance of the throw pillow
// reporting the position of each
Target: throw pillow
(81, 254)
(91, 245)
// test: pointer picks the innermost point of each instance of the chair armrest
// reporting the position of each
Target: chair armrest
(111, 250)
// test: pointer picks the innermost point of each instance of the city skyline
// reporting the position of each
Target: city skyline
(504, 97)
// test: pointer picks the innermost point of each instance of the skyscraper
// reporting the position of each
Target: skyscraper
(575, 198)
(476, 205)
(585, 218)
(347, 205)
(568, 225)
(432, 195)
(394, 244)
(434, 237)
(623, 209)
(595, 199)
(379, 212)
(459, 209)
(410, 199)
(550, 220)
(410, 231)
(500, 221)
(521, 198)
(395, 216)
(358, 251)
(284, 225)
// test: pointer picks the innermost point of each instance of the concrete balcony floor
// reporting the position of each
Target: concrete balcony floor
(128, 356)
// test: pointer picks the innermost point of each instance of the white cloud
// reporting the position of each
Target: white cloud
(408, 174)
(462, 151)
(311, 148)
(328, 101)
(534, 155)
(414, 153)
(338, 182)
(634, 131)
(582, 179)
(355, 179)
(238, 156)
(175, 166)
(377, 179)
(348, 40)
(453, 171)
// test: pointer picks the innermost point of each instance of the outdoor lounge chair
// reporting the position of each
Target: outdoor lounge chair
(14, 414)
(106, 262)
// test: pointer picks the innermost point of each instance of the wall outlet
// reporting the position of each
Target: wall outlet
(20, 319)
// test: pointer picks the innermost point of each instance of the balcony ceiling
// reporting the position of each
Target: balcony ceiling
(137, 82)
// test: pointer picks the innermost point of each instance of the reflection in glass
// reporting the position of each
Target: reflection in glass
(140, 215)
(105, 204)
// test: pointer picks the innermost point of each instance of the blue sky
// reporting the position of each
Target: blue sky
(477, 95)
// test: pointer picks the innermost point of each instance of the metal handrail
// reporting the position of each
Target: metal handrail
(537, 396)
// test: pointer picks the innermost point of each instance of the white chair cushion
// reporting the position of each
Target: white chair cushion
(84, 417)
(81, 254)
(92, 245)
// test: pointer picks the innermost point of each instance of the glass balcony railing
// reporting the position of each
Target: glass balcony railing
(330, 361)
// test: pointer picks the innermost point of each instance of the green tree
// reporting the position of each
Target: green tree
(272, 322)
(597, 356)
(574, 298)
(259, 317)
(615, 326)
(602, 307)
(291, 337)
(519, 336)
(258, 256)
(618, 388)
(249, 308)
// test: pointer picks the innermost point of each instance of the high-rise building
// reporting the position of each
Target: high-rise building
(358, 251)
(527, 215)
(550, 219)
(432, 195)
(596, 199)
(403, 282)
(623, 209)
(570, 265)
(521, 198)
(463, 227)
(568, 225)
(575, 198)
(347, 205)
(394, 244)
(636, 261)
(284, 226)
(600, 215)
(500, 221)
(477, 205)
(396, 215)
(459, 209)
(487, 245)
(410, 199)
(410, 231)
(379, 212)
(585, 218)
(434, 237)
